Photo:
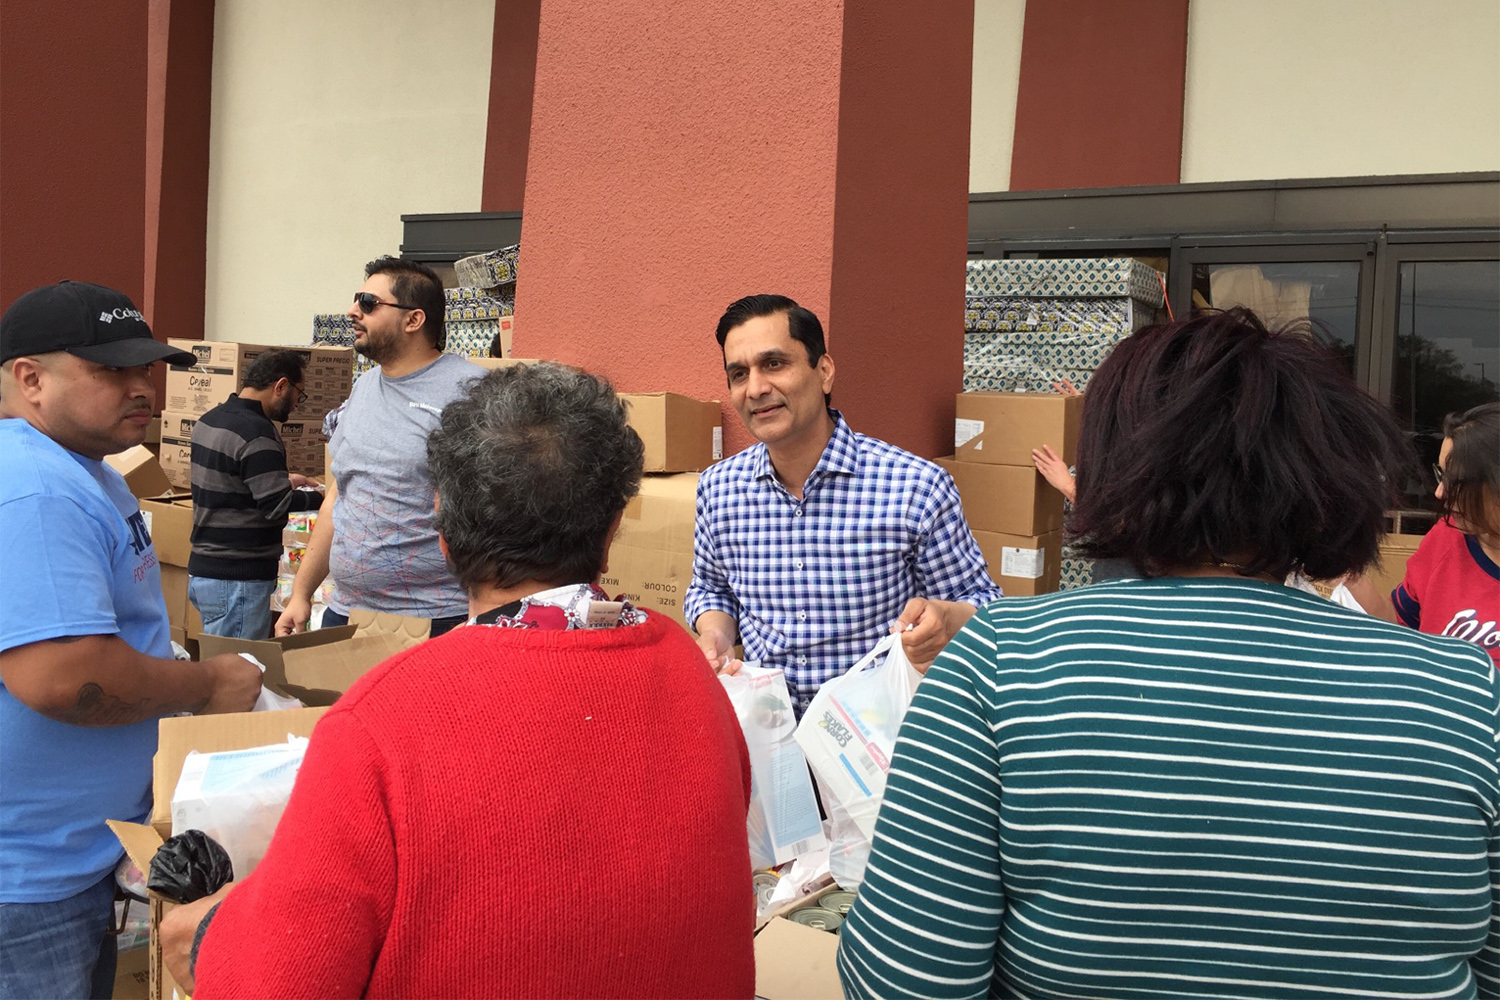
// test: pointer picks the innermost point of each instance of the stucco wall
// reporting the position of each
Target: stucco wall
(330, 121)
(1332, 88)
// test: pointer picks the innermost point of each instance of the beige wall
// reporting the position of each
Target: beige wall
(997, 75)
(332, 119)
(1334, 88)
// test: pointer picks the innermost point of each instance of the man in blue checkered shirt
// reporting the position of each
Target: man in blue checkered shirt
(813, 544)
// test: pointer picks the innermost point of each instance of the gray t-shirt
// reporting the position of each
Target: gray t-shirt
(385, 549)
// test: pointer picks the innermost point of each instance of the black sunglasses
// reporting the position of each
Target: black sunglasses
(368, 303)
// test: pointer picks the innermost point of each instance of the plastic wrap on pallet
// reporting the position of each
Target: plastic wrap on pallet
(1095, 277)
(489, 270)
(1017, 344)
(489, 307)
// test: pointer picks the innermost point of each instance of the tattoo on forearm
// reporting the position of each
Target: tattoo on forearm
(96, 707)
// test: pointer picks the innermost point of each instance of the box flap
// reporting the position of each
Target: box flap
(414, 630)
(794, 962)
(142, 472)
(178, 736)
(320, 674)
(139, 840)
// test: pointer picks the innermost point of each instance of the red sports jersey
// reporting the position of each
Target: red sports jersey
(1452, 588)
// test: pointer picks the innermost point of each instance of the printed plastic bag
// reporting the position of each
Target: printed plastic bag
(783, 822)
(848, 733)
(237, 797)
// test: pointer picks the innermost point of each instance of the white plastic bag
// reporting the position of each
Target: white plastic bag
(783, 821)
(237, 797)
(848, 733)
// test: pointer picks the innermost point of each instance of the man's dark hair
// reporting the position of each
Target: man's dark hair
(532, 467)
(1216, 441)
(1473, 465)
(804, 325)
(414, 284)
(272, 366)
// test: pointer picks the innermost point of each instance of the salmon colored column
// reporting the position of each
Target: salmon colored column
(1100, 96)
(72, 144)
(512, 79)
(684, 155)
(179, 65)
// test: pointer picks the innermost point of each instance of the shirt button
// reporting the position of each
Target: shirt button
(801, 661)
(798, 513)
(802, 616)
(798, 564)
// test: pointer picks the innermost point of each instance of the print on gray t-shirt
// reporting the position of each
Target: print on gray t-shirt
(385, 553)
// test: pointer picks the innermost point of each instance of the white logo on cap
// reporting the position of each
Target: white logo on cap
(109, 316)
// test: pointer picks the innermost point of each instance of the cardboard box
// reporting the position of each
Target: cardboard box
(181, 612)
(1394, 551)
(221, 367)
(793, 961)
(143, 473)
(169, 520)
(176, 737)
(318, 666)
(133, 970)
(1023, 565)
(1009, 499)
(1002, 428)
(176, 455)
(650, 561)
(680, 434)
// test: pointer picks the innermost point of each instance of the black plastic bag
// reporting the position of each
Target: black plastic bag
(190, 866)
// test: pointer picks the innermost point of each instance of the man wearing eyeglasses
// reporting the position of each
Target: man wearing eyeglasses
(375, 535)
(242, 494)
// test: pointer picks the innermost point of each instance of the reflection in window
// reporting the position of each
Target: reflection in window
(1326, 292)
(1447, 351)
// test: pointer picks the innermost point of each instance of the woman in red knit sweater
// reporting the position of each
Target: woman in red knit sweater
(515, 808)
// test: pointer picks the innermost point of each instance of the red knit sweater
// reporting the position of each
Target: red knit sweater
(508, 813)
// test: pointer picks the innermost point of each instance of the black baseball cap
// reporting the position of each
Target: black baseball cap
(94, 323)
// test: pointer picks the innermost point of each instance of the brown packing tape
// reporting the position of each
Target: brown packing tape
(679, 433)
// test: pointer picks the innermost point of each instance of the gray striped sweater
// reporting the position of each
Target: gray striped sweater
(1187, 787)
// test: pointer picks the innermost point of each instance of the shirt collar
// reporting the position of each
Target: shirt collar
(840, 455)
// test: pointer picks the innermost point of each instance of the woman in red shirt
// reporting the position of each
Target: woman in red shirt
(1452, 584)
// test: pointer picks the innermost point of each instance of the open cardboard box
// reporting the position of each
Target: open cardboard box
(316, 667)
(176, 738)
(793, 961)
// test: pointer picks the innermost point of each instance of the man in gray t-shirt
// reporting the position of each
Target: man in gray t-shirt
(375, 531)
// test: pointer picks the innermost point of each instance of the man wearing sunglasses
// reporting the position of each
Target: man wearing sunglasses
(242, 494)
(375, 535)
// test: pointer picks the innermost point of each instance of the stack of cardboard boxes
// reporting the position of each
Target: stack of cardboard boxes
(220, 370)
(650, 561)
(1015, 514)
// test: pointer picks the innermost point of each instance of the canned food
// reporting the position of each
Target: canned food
(765, 884)
(837, 900)
(816, 916)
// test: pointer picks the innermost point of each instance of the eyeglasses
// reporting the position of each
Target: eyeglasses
(1437, 474)
(301, 396)
(368, 303)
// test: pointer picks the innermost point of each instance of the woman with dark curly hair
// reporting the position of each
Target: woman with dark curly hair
(1200, 781)
(1452, 584)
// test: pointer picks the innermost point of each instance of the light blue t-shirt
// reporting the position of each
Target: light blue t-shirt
(385, 554)
(75, 559)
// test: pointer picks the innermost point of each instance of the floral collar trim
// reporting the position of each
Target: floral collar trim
(576, 606)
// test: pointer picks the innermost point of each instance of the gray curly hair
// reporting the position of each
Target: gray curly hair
(532, 468)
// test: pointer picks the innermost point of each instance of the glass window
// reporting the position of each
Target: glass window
(1281, 292)
(1447, 350)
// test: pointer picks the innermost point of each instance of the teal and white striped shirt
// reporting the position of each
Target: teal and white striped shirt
(1188, 787)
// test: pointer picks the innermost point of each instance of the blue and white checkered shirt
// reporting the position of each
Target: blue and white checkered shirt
(815, 583)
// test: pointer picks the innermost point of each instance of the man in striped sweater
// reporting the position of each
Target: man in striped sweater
(242, 494)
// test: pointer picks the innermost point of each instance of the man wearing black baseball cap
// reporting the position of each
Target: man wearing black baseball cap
(86, 663)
